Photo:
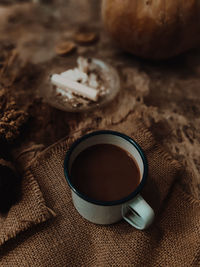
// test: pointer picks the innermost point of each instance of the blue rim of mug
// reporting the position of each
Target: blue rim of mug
(99, 202)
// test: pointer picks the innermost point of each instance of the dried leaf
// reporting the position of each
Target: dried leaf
(86, 38)
(65, 48)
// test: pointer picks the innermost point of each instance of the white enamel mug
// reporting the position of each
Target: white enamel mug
(133, 208)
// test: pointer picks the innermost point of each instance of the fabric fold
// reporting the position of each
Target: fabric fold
(29, 211)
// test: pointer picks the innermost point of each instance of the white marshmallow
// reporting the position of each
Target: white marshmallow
(74, 87)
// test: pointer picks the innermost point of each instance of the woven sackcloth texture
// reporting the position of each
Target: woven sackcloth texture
(66, 239)
(30, 210)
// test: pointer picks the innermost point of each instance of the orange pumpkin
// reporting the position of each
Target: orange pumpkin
(153, 29)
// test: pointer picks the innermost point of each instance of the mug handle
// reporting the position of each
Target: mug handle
(138, 213)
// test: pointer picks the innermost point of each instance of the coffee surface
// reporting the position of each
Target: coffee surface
(105, 172)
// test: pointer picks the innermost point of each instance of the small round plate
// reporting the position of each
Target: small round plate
(110, 80)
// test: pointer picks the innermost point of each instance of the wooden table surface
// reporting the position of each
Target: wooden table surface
(164, 95)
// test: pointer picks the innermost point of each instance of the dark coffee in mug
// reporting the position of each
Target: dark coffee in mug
(105, 172)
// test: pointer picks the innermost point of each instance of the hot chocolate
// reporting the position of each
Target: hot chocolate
(105, 172)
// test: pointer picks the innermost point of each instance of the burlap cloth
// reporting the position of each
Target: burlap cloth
(44, 229)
